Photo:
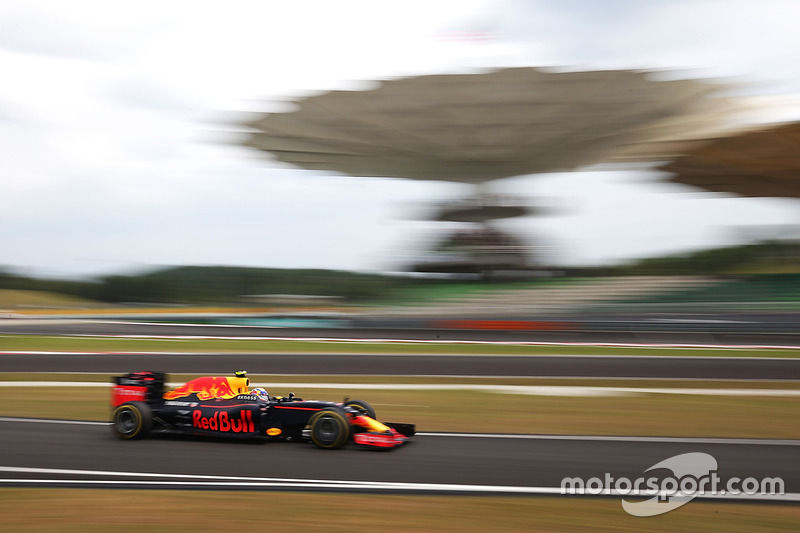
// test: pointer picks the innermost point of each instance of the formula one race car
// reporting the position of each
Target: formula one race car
(226, 406)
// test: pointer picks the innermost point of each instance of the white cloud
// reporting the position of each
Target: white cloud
(107, 118)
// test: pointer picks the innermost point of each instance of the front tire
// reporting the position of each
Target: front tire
(132, 420)
(330, 429)
(362, 407)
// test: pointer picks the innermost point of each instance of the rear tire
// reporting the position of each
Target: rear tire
(330, 429)
(132, 420)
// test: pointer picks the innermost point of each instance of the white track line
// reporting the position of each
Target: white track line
(426, 341)
(571, 391)
(482, 377)
(54, 421)
(621, 438)
(598, 438)
(61, 471)
(450, 355)
(233, 482)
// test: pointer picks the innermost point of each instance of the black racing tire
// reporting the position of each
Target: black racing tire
(132, 420)
(330, 429)
(361, 406)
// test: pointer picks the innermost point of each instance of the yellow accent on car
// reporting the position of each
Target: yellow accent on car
(209, 387)
(370, 424)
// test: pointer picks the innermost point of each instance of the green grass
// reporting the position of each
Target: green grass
(433, 292)
(106, 344)
(13, 299)
(751, 289)
(133, 511)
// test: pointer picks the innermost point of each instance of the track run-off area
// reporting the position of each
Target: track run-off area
(68, 453)
(85, 454)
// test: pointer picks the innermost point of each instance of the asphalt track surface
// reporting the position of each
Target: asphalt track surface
(360, 364)
(74, 454)
(449, 460)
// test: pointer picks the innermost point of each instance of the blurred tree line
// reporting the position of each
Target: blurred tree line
(770, 257)
(233, 285)
(214, 284)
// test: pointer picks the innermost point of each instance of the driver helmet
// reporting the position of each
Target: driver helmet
(259, 391)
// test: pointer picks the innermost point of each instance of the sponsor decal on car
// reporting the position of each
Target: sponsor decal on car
(221, 421)
(125, 382)
(274, 432)
(133, 391)
(247, 397)
(120, 395)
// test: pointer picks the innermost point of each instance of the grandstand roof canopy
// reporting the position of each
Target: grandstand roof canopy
(482, 214)
(473, 128)
(763, 162)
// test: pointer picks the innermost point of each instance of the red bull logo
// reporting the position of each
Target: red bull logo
(222, 421)
(207, 388)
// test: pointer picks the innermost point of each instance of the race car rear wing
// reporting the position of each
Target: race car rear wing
(137, 387)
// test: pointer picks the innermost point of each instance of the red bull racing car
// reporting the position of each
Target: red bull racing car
(227, 406)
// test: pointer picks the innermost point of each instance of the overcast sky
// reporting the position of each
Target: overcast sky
(114, 155)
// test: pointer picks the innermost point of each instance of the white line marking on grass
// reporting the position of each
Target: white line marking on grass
(309, 486)
(620, 438)
(481, 377)
(430, 341)
(528, 390)
(512, 436)
(233, 482)
(54, 421)
(488, 378)
(792, 357)
(314, 485)
(61, 471)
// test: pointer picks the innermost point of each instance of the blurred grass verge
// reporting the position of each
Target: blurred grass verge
(489, 412)
(214, 345)
(27, 509)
